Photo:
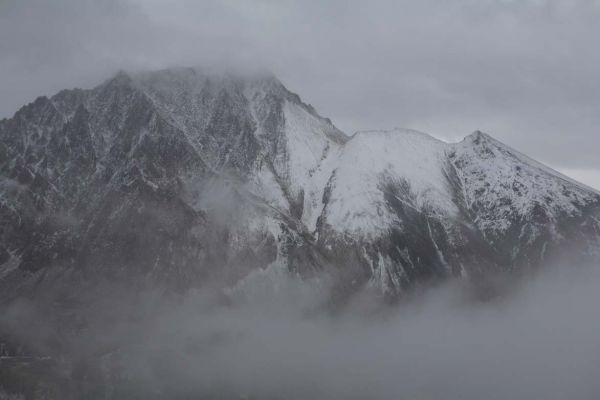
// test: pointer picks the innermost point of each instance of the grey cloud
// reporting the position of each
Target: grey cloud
(524, 71)
(272, 340)
(538, 342)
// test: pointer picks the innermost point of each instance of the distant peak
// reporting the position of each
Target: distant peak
(119, 79)
(477, 136)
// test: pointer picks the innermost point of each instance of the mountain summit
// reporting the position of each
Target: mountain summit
(184, 177)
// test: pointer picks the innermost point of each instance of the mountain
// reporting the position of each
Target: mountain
(187, 177)
(415, 208)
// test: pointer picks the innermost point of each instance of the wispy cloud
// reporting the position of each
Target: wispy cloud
(525, 71)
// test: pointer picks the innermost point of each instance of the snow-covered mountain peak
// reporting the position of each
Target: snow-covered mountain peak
(477, 136)
(489, 147)
(398, 205)
(508, 189)
(118, 82)
(371, 163)
(248, 125)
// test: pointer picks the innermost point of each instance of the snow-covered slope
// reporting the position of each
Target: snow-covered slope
(356, 202)
(503, 184)
(250, 126)
(411, 207)
(516, 202)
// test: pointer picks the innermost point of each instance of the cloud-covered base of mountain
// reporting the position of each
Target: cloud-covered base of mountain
(272, 339)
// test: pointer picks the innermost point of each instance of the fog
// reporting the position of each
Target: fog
(524, 71)
(274, 337)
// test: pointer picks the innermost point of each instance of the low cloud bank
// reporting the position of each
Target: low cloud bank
(272, 339)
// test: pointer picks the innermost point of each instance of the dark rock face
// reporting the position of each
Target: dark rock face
(102, 181)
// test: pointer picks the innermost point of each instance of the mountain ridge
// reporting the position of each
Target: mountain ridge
(186, 177)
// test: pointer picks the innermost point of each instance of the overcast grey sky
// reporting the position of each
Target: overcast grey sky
(525, 71)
